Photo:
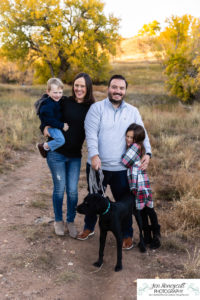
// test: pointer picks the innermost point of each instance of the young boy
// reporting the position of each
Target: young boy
(48, 109)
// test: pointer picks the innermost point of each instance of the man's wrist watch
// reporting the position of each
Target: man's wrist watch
(149, 154)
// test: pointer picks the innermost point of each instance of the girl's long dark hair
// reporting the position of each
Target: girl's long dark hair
(89, 97)
(139, 135)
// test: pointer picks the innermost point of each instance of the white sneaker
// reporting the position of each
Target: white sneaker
(59, 228)
(72, 229)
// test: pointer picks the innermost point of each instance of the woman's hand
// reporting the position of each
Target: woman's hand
(145, 162)
(45, 132)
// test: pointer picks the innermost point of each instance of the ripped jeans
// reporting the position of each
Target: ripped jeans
(65, 173)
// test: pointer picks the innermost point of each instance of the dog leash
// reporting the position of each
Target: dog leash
(97, 187)
(94, 186)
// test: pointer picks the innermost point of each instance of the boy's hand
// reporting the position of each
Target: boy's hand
(66, 127)
(45, 132)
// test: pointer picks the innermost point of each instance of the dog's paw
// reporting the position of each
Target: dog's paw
(118, 268)
(98, 264)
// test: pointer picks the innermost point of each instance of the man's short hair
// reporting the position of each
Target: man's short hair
(57, 81)
(116, 76)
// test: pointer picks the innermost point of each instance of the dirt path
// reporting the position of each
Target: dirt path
(37, 264)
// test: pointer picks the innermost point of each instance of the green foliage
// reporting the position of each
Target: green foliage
(58, 38)
(180, 42)
(178, 48)
(182, 80)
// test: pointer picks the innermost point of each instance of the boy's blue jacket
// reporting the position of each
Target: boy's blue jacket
(49, 113)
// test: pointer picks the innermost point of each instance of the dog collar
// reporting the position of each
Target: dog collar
(105, 212)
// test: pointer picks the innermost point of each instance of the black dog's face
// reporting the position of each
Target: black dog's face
(92, 204)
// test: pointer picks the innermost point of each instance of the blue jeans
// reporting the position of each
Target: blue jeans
(119, 186)
(65, 173)
(58, 139)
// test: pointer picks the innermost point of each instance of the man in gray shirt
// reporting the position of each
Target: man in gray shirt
(105, 126)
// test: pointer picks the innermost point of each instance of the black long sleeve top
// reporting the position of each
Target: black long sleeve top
(73, 114)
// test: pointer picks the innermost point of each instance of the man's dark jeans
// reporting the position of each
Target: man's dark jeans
(119, 186)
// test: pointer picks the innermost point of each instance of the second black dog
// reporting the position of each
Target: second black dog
(112, 217)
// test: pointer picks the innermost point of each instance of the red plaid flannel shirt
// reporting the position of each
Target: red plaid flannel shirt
(138, 179)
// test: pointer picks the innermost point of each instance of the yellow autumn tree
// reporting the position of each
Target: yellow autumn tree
(178, 49)
(179, 43)
(57, 37)
(150, 29)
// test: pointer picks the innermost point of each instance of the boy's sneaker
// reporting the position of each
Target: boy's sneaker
(85, 234)
(72, 229)
(41, 149)
(59, 228)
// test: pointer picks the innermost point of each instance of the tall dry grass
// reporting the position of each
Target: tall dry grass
(192, 264)
(174, 134)
(18, 123)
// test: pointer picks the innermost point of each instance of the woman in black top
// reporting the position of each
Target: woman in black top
(65, 162)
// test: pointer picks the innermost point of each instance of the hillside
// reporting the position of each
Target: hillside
(131, 49)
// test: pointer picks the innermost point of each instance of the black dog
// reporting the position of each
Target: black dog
(112, 217)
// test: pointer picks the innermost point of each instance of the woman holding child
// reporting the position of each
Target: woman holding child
(65, 162)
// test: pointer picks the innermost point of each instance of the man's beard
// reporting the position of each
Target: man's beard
(113, 101)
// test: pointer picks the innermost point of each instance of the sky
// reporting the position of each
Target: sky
(135, 13)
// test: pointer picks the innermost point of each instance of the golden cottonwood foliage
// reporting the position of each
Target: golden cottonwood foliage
(58, 37)
(178, 48)
(150, 29)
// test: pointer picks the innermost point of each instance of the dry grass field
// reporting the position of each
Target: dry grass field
(174, 173)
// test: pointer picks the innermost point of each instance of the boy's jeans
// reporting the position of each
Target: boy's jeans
(58, 139)
(65, 174)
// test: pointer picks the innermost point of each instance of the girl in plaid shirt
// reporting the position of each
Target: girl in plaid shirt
(139, 184)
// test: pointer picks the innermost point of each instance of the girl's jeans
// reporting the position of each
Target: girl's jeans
(58, 139)
(65, 174)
